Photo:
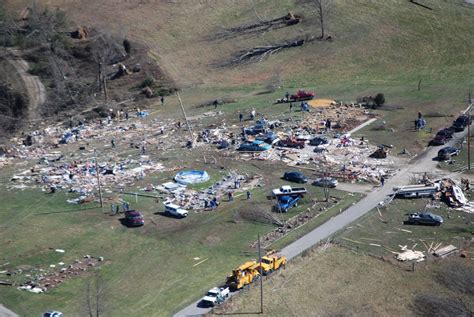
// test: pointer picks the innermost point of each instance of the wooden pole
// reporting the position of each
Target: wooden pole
(98, 179)
(261, 275)
(469, 135)
(469, 146)
(186, 119)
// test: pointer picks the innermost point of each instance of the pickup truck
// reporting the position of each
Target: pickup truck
(215, 296)
(175, 210)
(286, 202)
(288, 191)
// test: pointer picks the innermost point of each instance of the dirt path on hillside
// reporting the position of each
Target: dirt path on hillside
(35, 89)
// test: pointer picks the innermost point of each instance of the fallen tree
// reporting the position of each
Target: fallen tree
(259, 53)
(259, 27)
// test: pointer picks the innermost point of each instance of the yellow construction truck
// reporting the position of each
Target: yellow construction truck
(243, 275)
(272, 261)
(249, 271)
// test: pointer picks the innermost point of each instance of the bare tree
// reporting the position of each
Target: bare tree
(322, 8)
(95, 295)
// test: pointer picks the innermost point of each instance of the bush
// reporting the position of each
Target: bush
(430, 305)
(379, 100)
(147, 82)
(127, 46)
(40, 69)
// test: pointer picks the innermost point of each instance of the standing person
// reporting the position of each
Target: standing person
(113, 143)
(252, 114)
(215, 104)
(382, 180)
(328, 124)
(112, 209)
(291, 107)
(248, 195)
(162, 99)
(126, 114)
(287, 96)
(143, 149)
(241, 117)
(231, 197)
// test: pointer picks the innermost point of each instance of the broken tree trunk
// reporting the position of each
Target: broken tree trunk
(259, 53)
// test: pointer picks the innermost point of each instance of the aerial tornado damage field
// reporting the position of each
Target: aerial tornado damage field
(224, 157)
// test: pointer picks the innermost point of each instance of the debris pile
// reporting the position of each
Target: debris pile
(409, 255)
(198, 200)
(39, 280)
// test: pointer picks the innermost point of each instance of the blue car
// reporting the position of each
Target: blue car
(255, 146)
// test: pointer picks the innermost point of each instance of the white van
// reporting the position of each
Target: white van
(175, 210)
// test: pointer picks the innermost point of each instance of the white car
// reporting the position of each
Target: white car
(175, 210)
(215, 296)
(53, 313)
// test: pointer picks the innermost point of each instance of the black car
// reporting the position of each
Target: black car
(461, 123)
(296, 177)
(446, 132)
(446, 153)
(319, 140)
(421, 218)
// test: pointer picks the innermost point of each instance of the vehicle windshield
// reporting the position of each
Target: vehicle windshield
(266, 261)
(211, 294)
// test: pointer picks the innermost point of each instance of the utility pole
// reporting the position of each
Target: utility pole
(98, 179)
(469, 134)
(261, 275)
(186, 119)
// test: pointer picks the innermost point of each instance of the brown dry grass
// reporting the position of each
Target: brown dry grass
(339, 282)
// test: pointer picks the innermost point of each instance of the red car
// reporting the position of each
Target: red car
(134, 219)
(302, 95)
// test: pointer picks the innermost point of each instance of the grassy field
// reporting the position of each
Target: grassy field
(158, 258)
(338, 282)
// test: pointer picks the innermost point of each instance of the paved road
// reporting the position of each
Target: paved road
(422, 163)
(5, 312)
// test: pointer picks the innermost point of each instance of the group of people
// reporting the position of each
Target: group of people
(115, 209)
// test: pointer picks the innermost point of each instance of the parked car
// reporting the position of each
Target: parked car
(175, 210)
(296, 177)
(439, 140)
(134, 218)
(293, 143)
(325, 182)
(255, 146)
(215, 296)
(442, 136)
(286, 202)
(288, 191)
(446, 153)
(319, 140)
(269, 138)
(302, 95)
(421, 218)
(53, 313)
(461, 123)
